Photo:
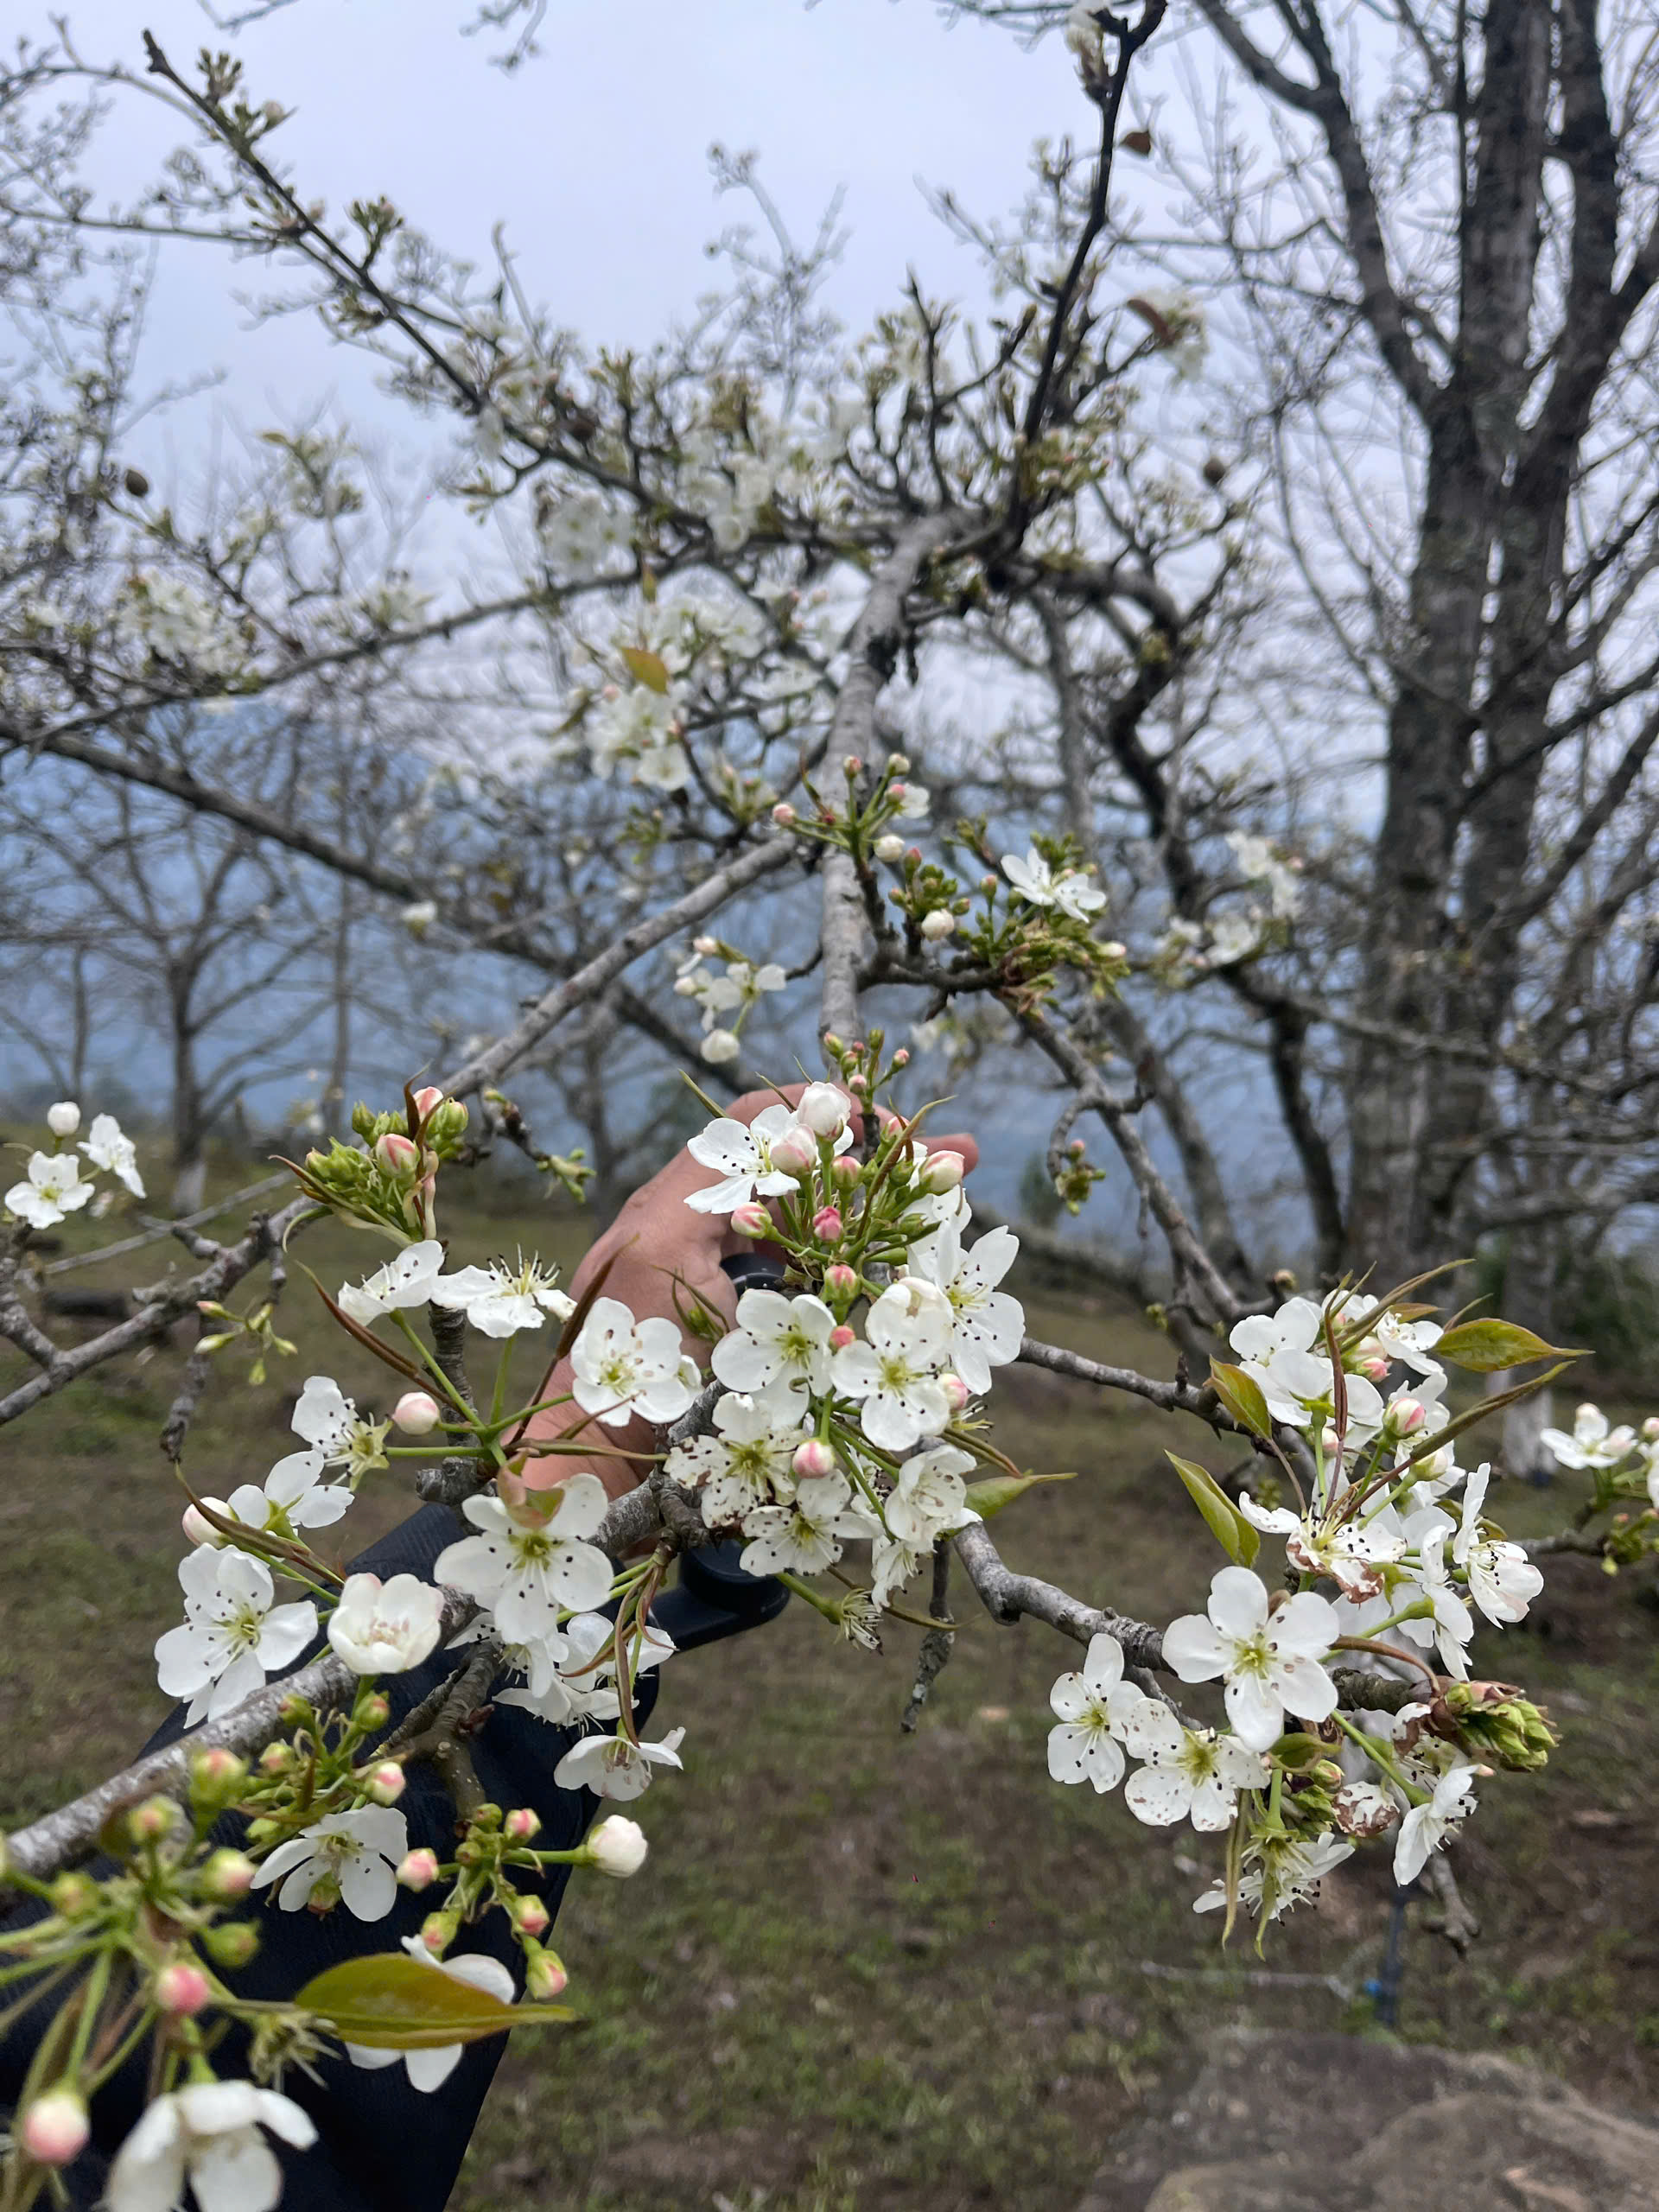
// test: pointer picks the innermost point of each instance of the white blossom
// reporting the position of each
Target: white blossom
(620, 1367)
(613, 1767)
(1426, 1828)
(803, 1537)
(1038, 884)
(1592, 1443)
(739, 1153)
(987, 1325)
(1190, 1773)
(52, 1189)
(778, 1342)
(746, 1462)
(895, 1374)
(430, 2069)
(1268, 1660)
(569, 1679)
(106, 1148)
(385, 1628)
(1502, 1581)
(529, 1572)
(928, 1500)
(357, 1852)
(232, 1636)
(1275, 1878)
(405, 1280)
(1094, 1706)
(499, 1301)
(208, 2134)
(329, 1421)
(292, 1497)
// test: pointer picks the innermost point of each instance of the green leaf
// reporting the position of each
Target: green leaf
(1488, 1346)
(1229, 1528)
(649, 668)
(1242, 1395)
(388, 2001)
(997, 1491)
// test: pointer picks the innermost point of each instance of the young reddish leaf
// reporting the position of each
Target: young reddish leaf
(1229, 1528)
(1242, 1395)
(990, 1495)
(388, 2001)
(1488, 1346)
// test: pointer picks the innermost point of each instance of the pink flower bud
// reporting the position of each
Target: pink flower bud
(416, 1412)
(428, 1099)
(275, 1758)
(852, 765)
(943, 1172)
(181, 1990)
(1650, 1429)
(1405, 1416)
(418, 1870)
(1113, 951)
(846, 1171)
(901, 1057)
(522, 1824)
(827, 1225)
(841, 1281)
(897, 789)
(214, 1773)
(751, 1220)
(1376, 1367)
(841, 1338)
(897, 764)
(55, 2128)
(152, 1821)
(988, 883)
(795, 1153)
(228, 1874)
(956, 1391)
(859, 1085)
(386, 1783)
(544, 1974)
(197, 1528)
(813, 1459)
(706, 946)
(398, 1155)
(439, 1930)
(530, 1916)
(784, 815)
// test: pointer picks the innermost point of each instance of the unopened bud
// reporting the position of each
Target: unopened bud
(216, 1774)
(1650, 1429)
(398, 1155)
(841, 1338)
(428, 1099)
(384, 1784)
(374, 1710)
(890, 848)
(708, 946)
(276, 1758)
(956, 1390)
(846, 1171)
(417, 1413)
(851, 766)
(827, 1224)
(1113, 950)
(784, 815)
(227, 1875)
(522, 1824)
(231, 1945)
(943, 1172)
(794, 1153)
(182, 1990)
(418, 1870)
(530, 1915)
(841, 1281)
(1376, 1368)
(153, 1821)
(197, 1528)
(939, 924)
(544, 1974)
(63, 1118)
(1405, 1416)
(439, 1930)
(55, 2128)
(901, 1057)
(618, 1847)
(71, 1895)
(813, 1459)
(824, 1109)
(897, 789)
(751, 1220)
(448, 1121)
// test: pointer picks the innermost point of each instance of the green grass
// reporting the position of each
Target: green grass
(864, 1969)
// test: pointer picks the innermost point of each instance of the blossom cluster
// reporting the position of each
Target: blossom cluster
(55, 1185)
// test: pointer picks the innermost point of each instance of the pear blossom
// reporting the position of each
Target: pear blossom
(824, 1109)
(208, 2135)
(529, 1572)
(357, 1852)
(385, 1628)
(1190, 1773)
(498, 1301)
(1269, 1660)
(1426, 1828)
(232, 1637)
(927, 1500)
(1592, 1443)
(779, 1341)
(893, 1564)
(568, 1678)
(895, 1374)
(1038, 884)
(739, 1153)
(1353, 1552)
(618, 1847)
(430, 2069)
(622, 1368)
(1449, 1624)
(1276, 1876)
(405, 1280)
(1277, 1350)
(106, 1148)
(986, 1325)
(1095, 1706)
(53, 1188)
(63, 1118)
(803, 1537)
(746, 1462)
(613, 1767)
(330, 1422)
(1502, 1581)
(292, 1497)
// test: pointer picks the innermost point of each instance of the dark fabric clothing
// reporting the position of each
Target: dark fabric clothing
(383, 2146)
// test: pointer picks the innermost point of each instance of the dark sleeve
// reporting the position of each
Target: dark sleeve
(382, 2145)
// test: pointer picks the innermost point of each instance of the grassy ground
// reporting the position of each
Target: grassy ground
(866, 1970)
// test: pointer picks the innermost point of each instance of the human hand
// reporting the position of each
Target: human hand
(664, 1258)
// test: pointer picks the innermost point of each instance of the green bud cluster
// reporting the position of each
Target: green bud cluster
(1496, 1721)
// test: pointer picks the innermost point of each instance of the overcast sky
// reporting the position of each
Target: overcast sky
(595, 155)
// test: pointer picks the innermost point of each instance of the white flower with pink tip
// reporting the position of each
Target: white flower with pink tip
(1268, 1659)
